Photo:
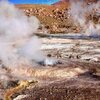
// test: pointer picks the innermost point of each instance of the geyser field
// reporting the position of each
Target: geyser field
(38, 65)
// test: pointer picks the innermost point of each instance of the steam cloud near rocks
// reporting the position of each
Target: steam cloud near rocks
(79, 12)
(17, 45)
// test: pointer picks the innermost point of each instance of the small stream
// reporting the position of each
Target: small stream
(73, 36)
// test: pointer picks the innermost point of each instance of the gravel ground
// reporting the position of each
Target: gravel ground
(85, 86)
(76, 78)
(87, 50)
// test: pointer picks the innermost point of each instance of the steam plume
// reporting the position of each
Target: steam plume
(79, 11)
(17, 45)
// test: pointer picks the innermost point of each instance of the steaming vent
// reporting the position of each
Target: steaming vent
(83, 14)
(18, 45)
(49, 61)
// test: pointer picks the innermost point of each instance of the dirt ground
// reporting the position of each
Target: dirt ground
(75, 81)
(77, 77)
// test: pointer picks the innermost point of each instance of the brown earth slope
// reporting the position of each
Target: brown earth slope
(55, 18)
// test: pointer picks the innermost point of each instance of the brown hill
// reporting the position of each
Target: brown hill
(62, 2)
(54, 18)
(67, 1)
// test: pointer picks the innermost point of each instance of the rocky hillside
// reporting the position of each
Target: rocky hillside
(54, 18)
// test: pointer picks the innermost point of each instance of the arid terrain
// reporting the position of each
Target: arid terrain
(70, 69)
(77, 76)
(56, 18)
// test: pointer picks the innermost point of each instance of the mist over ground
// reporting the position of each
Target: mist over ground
(17, 45)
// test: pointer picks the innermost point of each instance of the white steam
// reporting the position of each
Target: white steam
(31, 50)
(17, 46)
(79, 11)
